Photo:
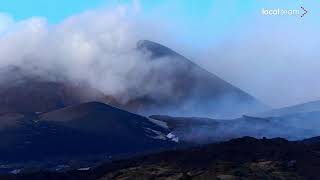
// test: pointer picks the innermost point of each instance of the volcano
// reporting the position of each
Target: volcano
(173, 85)
(193, 90)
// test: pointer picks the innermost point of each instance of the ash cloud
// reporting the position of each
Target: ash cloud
(97, 47)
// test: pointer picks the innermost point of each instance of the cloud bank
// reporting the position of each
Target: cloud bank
(97, 47)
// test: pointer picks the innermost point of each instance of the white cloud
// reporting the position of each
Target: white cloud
(96, 46)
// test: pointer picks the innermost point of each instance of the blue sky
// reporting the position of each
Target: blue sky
(54, 10)
(57, 10)
(216, 16)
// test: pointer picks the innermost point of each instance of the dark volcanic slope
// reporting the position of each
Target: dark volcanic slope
(80, 131)
(24, 92)
(244, 158)
(193, 90)
(101, 118)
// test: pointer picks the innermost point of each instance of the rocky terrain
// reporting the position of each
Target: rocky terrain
(243, 158)
(77, 132)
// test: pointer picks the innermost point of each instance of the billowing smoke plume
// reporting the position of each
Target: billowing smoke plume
(97, 47)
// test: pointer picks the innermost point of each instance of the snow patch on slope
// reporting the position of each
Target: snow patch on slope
(159, 123)
(160, 135)
(173, 137)
(156, 134)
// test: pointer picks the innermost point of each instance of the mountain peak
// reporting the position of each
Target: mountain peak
(191, 81)
(155, 49)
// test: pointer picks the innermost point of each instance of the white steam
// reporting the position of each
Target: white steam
(97, 47)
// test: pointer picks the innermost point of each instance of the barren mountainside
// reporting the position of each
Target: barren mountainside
(171, 82)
